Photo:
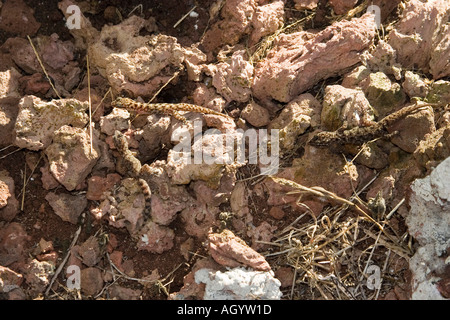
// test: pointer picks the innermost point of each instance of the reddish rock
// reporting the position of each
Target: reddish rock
(84, 34)
(186, 248)
(65, 74)
(256, 115)
(434, 148)
(13, 239)
(66, 206)
(9, 97)
(56, 53)
(390, 296)
(9, 86)
(98, 107)
(167, 198)
(48, 180)
(221, 123)
(215, 197)
(299, 114)
(198, 219)
(89, 251)
(421, 37)
(276, 213)
(91, 281)
(155, 133)
(194, 59)
(118, 119)
(74, 259)
(36, 83)
(239, 200)
(70, 156)
(45, 246)
(9, 205)
(8, 115)
(236, 22)
(17, 294)
(299, 60)
(412, 129)
(342, 6)
(444, 287)
(116, 259)
(22, 54)
(266, 20)
(126, 208)
(224, 76)
(164, 212)
(317, 167)
(262, 233)
(208, 97)
(342, 105)
(17, 18)
(117, 292)
(50, 257)
(38, 275)
(231, 251)
(139, 69)
(9, 279)
(285, 275)
(112, 242)
(155, 238)
(98, 185)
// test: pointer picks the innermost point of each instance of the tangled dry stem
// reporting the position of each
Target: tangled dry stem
(330, 254)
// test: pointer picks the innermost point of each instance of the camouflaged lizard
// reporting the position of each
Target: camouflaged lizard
(171, 109)
(360, 135)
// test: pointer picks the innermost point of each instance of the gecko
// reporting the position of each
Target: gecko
(130, 163)
(171, 109)
(360, 135)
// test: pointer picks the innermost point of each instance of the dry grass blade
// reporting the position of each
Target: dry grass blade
(43, 68)
(160, 89)
(89, 101)
(329, 254)
(184, 17)
(321, 192)
(158, 282)
(12, 152)
(63, 263)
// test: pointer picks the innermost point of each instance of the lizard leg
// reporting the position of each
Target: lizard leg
(176, 115)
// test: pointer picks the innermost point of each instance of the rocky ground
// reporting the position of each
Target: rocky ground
(359, 220)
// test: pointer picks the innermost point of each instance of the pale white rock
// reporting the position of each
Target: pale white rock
(232, 79)
(239, 284)
(38, 120)
(9, 85)
(428, 221)
(343, 105)
(295, 119)
(118, 119)
(132, 62)
(415, 85)
(71, 156)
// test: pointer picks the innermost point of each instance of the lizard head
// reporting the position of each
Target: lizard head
(120, 102)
